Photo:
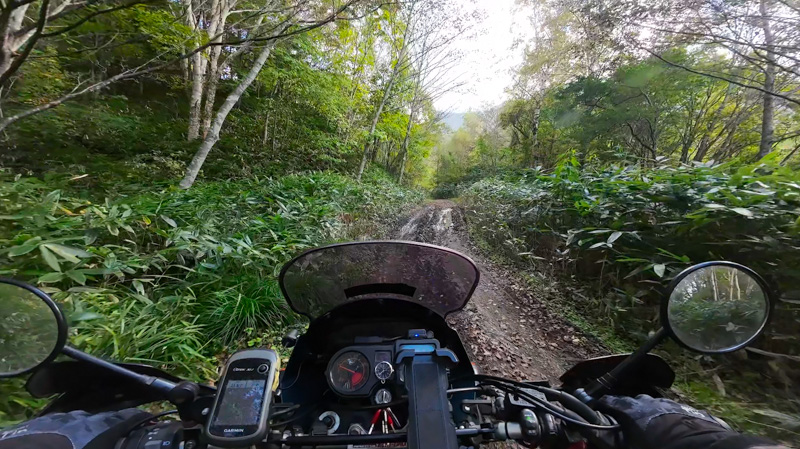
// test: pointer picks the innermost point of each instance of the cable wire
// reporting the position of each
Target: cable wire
(568, 401)
(509, 386)
(299, 370)
(284, 411)
(297, 416)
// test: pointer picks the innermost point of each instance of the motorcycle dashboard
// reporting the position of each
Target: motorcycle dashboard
(361, 370)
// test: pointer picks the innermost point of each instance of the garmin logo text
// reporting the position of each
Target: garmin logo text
(233, 430)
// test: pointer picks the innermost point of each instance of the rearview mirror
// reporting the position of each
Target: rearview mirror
(711, 308)
(716, 307)
(32, 329)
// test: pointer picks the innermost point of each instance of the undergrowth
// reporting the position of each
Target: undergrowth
(622, 233)
(174, 278)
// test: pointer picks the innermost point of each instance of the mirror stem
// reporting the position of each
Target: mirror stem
(608, 381)
(161, 385)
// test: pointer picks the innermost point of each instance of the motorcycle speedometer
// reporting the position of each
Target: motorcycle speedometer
(349, 372)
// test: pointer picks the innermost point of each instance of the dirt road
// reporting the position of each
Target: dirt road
(507, 331)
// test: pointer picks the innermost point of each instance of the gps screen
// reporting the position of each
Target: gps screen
(241, 403)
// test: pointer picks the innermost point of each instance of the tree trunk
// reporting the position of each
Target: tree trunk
(212, 80)
(406, 139)
(213, 133)
(219, 16)
(196, 96)
(197, 73)
(685, 151)
(534, 135)
(402, 167)
(2, 114)
(768, 115)
(654, 151)
(266, 130)
(10, 21)
(357, 75)
(16, 30)
(702, 149)
(185, 73)
(395, 70)
(274, 133)
(375, 118)
(726, 149)
(687, 141)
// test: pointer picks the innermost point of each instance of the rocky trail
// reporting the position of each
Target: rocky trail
(505, 328)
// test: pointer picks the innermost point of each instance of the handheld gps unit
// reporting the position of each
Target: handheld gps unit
(240, 414)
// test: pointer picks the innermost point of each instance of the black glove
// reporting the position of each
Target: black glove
(73, 430)
(649, 423)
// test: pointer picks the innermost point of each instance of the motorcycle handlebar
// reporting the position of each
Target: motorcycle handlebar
(534, 425)
(533, 429)
(542, 428)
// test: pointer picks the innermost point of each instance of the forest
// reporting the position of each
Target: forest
(639, 138)
(160, 161)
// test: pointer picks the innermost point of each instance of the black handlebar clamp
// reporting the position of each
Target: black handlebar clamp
(424, 367)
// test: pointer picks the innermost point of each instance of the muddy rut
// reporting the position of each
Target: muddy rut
(506, 329)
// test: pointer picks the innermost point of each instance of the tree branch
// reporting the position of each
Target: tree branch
(15, 65)
(721, 78)
(94, 14)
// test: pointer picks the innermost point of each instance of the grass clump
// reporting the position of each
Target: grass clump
(244, 306)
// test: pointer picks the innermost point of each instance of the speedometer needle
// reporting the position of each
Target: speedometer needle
(346, 369)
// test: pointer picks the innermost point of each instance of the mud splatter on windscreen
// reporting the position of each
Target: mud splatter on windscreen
(323, 278)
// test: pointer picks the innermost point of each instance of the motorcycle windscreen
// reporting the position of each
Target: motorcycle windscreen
(323, 278)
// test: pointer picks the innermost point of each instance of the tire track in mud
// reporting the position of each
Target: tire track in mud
(507, 331)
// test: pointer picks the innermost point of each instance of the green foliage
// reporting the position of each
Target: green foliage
(306, 109)
(43, 78)
(478, 149)
(117, 142)
(171, 277)
(159, 28)
(643, 111)
(15, 402)
(245, 306)
(628, 231)
(310, 107)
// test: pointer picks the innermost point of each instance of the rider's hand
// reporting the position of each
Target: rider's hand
(73, 430)
(649, 423)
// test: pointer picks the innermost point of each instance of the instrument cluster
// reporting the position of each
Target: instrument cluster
(361, 371)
